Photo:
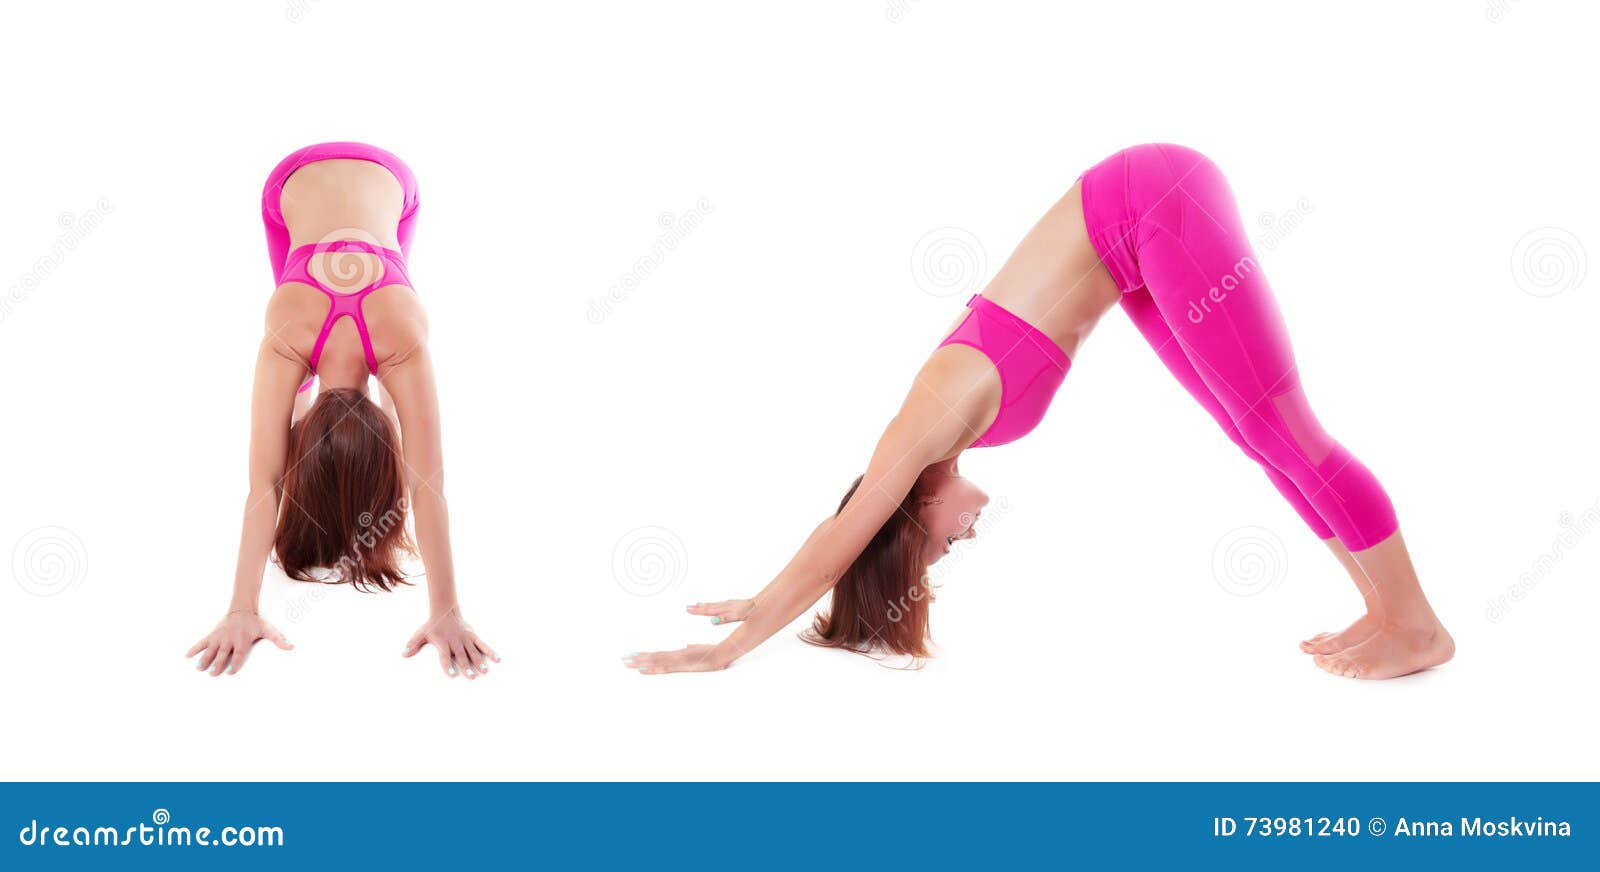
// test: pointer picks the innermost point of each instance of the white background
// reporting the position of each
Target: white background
(789, 159)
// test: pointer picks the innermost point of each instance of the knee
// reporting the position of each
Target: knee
(1286, 442)
(1265, 439)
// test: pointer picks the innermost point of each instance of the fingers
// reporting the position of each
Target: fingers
(643, 662)
(725, 612)
(224, 653)
(475, 655)
(240, 654)
(463, 663)
(694, 658)
(465, 657)
(272, 635)
(209, 654)
(198, 647)
(487, 651)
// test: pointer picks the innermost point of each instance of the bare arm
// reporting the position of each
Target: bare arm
(409, 383)
(271, 405)
(272, 402)
(955, 391)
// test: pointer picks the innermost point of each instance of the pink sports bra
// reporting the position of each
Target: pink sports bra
(1031, 367)
(393, 272)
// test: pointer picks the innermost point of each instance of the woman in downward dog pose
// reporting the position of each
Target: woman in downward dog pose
(1155, 229)
(331, 479)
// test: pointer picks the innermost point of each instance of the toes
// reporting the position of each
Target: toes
(1330, 644)
(1344, 667)
(1330, 663)
(1326, 643)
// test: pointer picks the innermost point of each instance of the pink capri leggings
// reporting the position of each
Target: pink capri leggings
(1164, 223)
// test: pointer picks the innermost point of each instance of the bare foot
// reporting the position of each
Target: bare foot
(1332, 643)
(1392, 651)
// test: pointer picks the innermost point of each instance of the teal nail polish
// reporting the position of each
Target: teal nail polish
(716, 620)
(452, 670)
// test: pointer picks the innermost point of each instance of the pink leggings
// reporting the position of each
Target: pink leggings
(1164, 223)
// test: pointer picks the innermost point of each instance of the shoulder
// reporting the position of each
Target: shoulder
(398, 324)
(959, 375)
(293, 317)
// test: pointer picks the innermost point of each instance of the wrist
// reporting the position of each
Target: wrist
(721, 656)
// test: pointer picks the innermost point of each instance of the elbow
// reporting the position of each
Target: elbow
(426, 485)
(262, 492)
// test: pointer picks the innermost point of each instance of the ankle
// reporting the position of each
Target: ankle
(1421, 620)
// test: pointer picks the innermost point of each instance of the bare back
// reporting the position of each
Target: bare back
(1054, 280)
(334, 200)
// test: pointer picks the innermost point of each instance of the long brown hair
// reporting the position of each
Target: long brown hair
(882, 599)
(343, 503)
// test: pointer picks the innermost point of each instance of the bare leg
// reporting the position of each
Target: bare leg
(1365, 626)
(1203, 280)
(1405, 635)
